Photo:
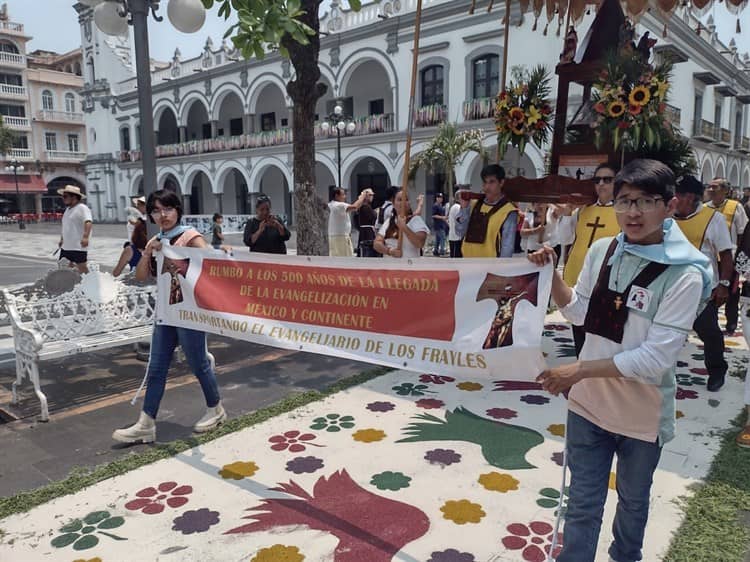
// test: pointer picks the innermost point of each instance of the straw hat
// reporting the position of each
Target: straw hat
(137, 200)
(74, 189)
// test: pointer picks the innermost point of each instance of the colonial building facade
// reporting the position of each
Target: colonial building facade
(223, 125)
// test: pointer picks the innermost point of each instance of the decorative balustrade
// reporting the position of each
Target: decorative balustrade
(430, 115)
(673, 115)
(16, 122)
(744, 145)
(65, 156)
(59, 116)
(13, 59)
(12, 26)
(704, 130)
(20, 153)
(13, 90)
(368, 125)
(479, 108)
(723, 136)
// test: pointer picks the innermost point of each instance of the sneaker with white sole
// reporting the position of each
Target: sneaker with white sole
(214, 417)
(142, 431)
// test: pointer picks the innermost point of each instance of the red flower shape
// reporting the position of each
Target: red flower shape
(635, 109)
(502, 413)
(600, 108)
(430, 403)
(535, 540)
(292, 440)
(151, 500)
(684, 394)
(435, 379)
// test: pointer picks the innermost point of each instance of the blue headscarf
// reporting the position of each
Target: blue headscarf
(675, 249)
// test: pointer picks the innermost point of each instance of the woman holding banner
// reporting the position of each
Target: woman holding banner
(165, 210)
(402, 224)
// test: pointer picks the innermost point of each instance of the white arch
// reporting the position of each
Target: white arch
(720, 167)
(160, 106)
(734, 174)
(162, 174)
(259, 169)
(746, 177)
(259, 83)
(187, 103)
(360, 56)
(220, 95)
(706, 165)
(327, 74)
(190, 174)
(327, 161)
(134, 185)
(350, 161)
(225, 169)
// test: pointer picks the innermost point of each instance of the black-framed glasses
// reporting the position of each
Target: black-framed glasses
(604, 179)
(643, 204)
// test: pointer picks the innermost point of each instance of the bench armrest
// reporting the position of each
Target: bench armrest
(25, 340)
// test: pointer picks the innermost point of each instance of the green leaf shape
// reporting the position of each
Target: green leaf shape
(347, 425)
(112, 523)
(549, 493)
(548, 503)
(64, 540)
(333, 428)
(388, 480)
(72, 527)
(332, 416)
(86, 542)
(96, 517)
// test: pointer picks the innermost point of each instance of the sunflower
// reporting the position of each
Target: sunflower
(517, 114)
(616, 108)
(640, 95)
(534, 115)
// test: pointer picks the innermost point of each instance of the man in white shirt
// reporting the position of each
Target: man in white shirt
(734, 213)
(706, 229)
(77, 223)
(340, 224)
(454, 238)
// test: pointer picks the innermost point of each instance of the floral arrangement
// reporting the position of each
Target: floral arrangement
(523, 111)
(629, 101)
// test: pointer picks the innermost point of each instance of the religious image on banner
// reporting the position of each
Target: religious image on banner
(473, 316)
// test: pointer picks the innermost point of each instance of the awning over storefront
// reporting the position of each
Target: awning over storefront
(26, 184)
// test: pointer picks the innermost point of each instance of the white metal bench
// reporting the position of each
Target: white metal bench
(99, 313)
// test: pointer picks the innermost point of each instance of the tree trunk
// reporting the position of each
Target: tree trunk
(311, 212)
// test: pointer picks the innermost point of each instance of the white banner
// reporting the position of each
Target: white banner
(466, 316)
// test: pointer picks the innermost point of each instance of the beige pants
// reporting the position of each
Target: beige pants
(340, 245)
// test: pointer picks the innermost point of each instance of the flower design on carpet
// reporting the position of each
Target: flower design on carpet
(294, 441)
(195, 521)
(151, 500)
(612, 484)
(536, 399)
(550, 498)
(95, 559)
(681, 364)
(301, 465)
(429, 403)
(699, 371)
(333, 422)
(443, 457)
(388, 480)
(508, 386)
(556, 327)
(498, 482)
(557, 429)
(502, 413)
(684, 379)
(685, 394)
(535, 539)
(369, 435)
(278, 553)
(469, 386)
(435, 379)
(462, 511)
(381, 406)
(82, 533)
(451, 555)
(678, 414)
(557, 458)
(238, 470)
(410, 389)
(377, 527)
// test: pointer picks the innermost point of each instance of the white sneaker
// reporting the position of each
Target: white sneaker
(214, 417)
(143, 431)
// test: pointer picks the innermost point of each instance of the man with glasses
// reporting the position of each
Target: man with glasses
(734, 213)
(707, 230)
(77, 223)
(590, 223)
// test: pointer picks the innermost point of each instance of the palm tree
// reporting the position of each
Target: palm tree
(444, 152)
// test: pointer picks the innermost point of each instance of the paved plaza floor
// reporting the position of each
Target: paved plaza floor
(408, 467)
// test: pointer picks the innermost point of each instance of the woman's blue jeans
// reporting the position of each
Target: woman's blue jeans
(590, 450)
(164, 340)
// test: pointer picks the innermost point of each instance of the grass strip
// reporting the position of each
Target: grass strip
(713, 529)
(80, 478)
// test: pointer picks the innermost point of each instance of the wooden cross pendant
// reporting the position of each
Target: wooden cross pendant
(618, 302)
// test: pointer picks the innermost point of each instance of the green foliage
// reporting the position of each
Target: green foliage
(6, 138)
(262, 24)
(445, 150)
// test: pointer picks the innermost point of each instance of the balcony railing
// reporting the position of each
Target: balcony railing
(704, 130)
(13, 90)
(479, 108)
(65, 156)
(59, 116)
(12, 59)
(744, 145)
(673, 115)
(723, 137)
(368, 125)
(430, 115)
(20, 153)
(16, 122)
(11, 26)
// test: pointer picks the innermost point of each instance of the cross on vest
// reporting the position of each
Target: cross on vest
(596, 225)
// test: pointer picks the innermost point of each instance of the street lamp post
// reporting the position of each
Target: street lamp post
(15, 167)
(113, 17)
(338, 120)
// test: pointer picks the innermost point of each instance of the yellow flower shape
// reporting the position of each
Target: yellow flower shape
(730, 343)
(533, 115)
(661, 89)
(612, 481)
(557, 429)
(469, 386)
(368, 435)
(640, 95)
(238, 470)
(498, 482)
(616, 108)
(678, 414)
(278, 553)
(97, 559)
(462, 512)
